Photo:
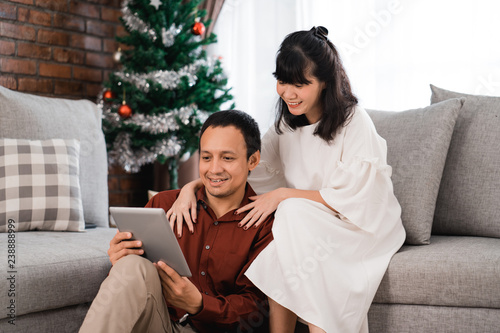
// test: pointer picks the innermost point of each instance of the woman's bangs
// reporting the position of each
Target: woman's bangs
(291, 68)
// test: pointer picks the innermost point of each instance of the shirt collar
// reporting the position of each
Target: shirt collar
(231, 216)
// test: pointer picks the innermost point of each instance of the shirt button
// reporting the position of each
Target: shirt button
(216, 222)
(207, 247)
(203, 273)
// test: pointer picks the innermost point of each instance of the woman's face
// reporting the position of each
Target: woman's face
(303, 98)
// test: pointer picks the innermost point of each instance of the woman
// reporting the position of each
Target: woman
(323, 171)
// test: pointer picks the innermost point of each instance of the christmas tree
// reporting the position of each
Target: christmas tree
(155, 105)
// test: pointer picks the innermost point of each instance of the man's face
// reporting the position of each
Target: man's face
(224, 165)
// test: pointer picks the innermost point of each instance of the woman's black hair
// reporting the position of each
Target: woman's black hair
(310, 52)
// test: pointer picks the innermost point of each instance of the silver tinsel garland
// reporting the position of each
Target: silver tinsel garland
(131, 160)
(133, 22)
(160, 123)
(170, 79)
(168, 36)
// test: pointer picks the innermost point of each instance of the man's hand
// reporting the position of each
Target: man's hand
(119, 247)
(179, 291)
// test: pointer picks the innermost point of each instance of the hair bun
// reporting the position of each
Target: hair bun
(320, 32)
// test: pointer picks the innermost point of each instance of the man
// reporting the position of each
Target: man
(139, 296)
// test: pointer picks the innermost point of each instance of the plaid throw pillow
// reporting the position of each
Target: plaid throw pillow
(39, 185)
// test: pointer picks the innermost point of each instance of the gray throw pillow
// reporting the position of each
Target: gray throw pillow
(39, 185)
(417, 145)
(469, 197)
(26, 116)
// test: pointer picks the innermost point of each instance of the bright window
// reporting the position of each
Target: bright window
(392, 49)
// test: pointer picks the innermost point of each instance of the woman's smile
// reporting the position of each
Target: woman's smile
(294, 104)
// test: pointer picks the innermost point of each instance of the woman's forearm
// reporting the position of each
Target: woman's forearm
(286, 193)
(194, 185)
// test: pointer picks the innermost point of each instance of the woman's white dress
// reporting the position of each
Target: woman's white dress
(323, 266)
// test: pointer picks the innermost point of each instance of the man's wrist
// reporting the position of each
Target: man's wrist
(195, 309)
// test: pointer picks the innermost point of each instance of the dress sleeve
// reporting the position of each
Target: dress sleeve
(268, 175)
(360, 186)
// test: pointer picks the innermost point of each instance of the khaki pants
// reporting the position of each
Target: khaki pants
(131, 300)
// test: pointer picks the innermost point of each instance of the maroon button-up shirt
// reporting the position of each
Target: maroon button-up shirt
(218, 254)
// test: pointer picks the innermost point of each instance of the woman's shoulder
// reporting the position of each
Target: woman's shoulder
(359, 118)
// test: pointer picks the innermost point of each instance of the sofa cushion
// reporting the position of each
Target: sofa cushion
(417, 144)
(39, 185)
(26, 116)
(451, 271)
(399, 318)
(56, 269)
(468, 199)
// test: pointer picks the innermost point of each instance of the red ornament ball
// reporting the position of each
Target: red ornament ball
(108, 94)
(124, 111)
(198, 28)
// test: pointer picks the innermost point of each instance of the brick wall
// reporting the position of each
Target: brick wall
(58, 47)
(64, 48)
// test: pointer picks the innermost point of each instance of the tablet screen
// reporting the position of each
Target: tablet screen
(151, 227)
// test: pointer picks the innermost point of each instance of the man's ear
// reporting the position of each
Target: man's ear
(253, 160)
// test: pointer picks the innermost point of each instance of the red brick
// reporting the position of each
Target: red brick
(100, 29)
(26, 2)
(126, 47)
(53, 70)
(120, 31)
(116, 170)
(8, 81)
(33, 51)
(130, 183)
(110, 45)
(100, 60)
(7, 48)
(106, 73)
(87, 74)
(84, 9)
(17, 31)
(93, 90)
(113, 183)
(110, 14)
(35, 85)
(86, 42)
(120, 199)
(7, 11)
(17, 66)
(34, 16)
(69, 22)
(68, 88)
(53, 37)
(55, 5)
(111, 3)
(69, 56)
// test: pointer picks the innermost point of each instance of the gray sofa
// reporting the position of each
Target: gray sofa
(54, 274)
(446, 278)
(446, 174)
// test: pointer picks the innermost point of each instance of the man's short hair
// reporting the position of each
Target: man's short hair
(242, 121)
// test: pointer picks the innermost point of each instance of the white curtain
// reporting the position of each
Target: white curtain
(392, 49)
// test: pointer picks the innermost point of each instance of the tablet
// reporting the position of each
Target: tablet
(151, 227)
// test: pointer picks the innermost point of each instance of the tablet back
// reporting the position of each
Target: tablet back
(150, 225)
